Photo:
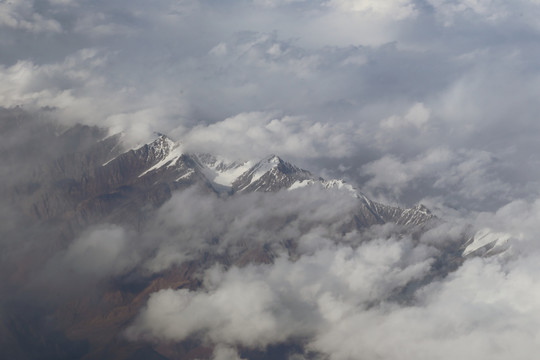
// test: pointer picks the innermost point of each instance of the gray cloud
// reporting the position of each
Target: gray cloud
(455, 177)
(225, 353)
(22, 15)
(287, 299)
(340, 300)
(101, 252)
(260, 133)
(192, 223)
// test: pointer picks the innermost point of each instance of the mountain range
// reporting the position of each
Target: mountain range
(150, 173)
(90, 179)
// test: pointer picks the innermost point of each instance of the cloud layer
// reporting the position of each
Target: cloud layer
(341, 300)
(358, 81)
(412, 101)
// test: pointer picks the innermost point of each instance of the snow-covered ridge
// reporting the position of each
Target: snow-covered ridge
(165, 149)
(338, 184)
(493, 242)
(267, 175)
(222, 171)
(270, 174)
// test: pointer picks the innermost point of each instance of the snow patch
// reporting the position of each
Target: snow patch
(186, 175)
(327, 184)
(107, 162)
(300, 184)
(222, 171)
(227, 177)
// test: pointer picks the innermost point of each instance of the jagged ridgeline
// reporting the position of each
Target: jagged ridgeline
(100, 181)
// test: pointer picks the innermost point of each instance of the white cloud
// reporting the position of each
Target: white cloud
(21, 14)
(285, 299)
(250, 219)
(478, 313)
(78, 89)
(227, 315)
(26, 83)
(417, 116)
(225, 353)
(344, 301)
(259, 134)
(394, 9)
(274, 3)
(455, 176)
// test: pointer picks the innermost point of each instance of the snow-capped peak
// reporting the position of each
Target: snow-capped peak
(270, 174)
(264, 166)
(338, 184)
(165, 150)
(163, 145)
(273, 159)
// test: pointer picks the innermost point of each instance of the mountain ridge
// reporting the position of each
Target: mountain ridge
(269, 174)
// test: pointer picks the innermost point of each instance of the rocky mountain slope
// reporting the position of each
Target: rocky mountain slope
(88, 180)
(163, 164)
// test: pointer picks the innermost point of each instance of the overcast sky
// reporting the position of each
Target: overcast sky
(432, 101)
(411, 100)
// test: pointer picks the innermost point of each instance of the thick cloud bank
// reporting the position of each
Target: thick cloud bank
(342, 300)
(261, 305)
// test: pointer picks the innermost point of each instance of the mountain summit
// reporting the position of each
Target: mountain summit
(270, 174)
